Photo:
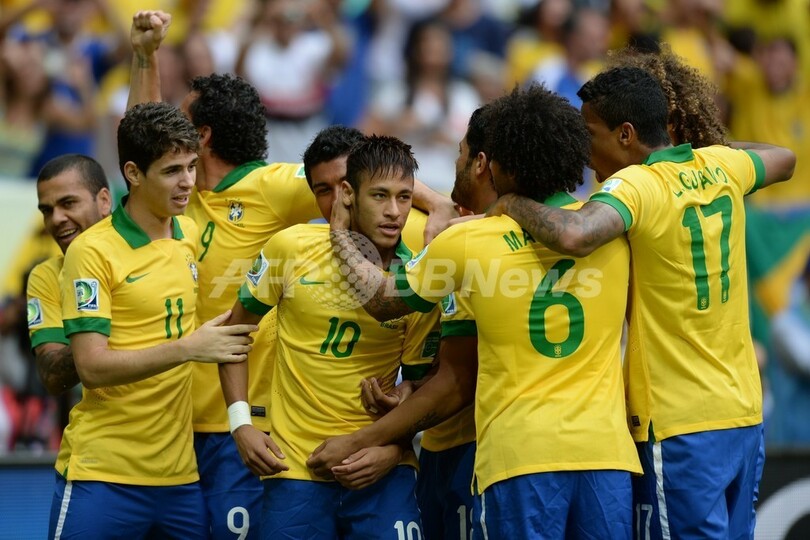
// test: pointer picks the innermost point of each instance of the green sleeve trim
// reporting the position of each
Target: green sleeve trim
(415, 373)
(97, 325)
(459, 328)
(48, 335)
(759, 168)
(617, 205)
(251, 304)
(413, 300)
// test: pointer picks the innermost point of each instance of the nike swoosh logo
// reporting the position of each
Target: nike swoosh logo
(305, 281)
(132, 279)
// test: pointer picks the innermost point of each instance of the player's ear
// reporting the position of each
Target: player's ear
(104, 201)
(627, 134)
(132, 173)
(346, 193)
(205, 136)
(481, 164)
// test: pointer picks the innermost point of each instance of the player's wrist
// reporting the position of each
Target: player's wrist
(239, 415)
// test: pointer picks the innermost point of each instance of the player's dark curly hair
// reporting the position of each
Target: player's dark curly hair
(150, 130)
(231, 107)
(539, 138)
(694, 116)
(629, 94)
(377, 156)
(330, 143)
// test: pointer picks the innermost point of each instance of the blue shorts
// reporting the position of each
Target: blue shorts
(699, 485)
(443, 491)
(105, 510)
(305, 509)
(553, 505)
(233, 495)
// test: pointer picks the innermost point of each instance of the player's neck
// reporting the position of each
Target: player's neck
(156, 227)
(211, 171)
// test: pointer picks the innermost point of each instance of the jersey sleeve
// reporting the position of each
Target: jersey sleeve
(86, 290)
(624, 196)
(287, 194)
(434, 272)
(759, 173)
(457, 317)
(421, 344)
(44, 307)
(264, 282)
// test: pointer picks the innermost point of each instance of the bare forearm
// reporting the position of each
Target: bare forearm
(384, 302)
(57, 370)
(576, 233)
(433, 403)
(234, 381)
(144, 86)
(99, 366)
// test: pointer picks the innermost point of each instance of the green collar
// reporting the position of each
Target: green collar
(559, 199)
(402, 251)
(237, 174)
(132, 232)
(676, 154)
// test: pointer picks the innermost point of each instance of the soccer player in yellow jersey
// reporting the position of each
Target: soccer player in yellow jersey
(549, 371)
(239, 202)
(692, 383)
(129, 288)
(326, 344)
(73, 195)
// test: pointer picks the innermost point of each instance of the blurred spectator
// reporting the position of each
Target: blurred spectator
(769, 100)
(790, 335)
(294, 51)
(75, 61)
(540, 37)
(392, 19)
(473, 30)
(585, 41)
(430, 109)
(24, 92)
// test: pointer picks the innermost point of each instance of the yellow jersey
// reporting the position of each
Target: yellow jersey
(689, 364)
(549, 360)
(250, 204)
(140, 293)
(45, 304)
(456, 320)
(326, 343)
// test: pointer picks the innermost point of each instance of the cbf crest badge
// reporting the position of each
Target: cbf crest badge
(192, 266)
(235, 212)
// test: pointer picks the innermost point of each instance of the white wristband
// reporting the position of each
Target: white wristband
(239, 415)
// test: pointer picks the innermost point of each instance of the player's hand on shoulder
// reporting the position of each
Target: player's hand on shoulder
(439, 219)
(331, 453)
(216, 342)
(367, 466)
(501, 206)
(149, 28)
(259, 452)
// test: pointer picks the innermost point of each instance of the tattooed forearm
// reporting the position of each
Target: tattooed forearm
(57, 370)
(377, 291)
(569, 232)
(428, 421)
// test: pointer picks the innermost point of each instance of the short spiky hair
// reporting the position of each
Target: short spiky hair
(330, 143)
(149, 130)
(693, 111)
(629, 94)
(539, 138)
(377, 156)
(231, 107)
(90, 171)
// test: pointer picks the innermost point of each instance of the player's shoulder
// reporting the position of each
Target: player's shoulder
(96, 238)
(280, 172)
(49, 267)
(303, 235)
(188, 227)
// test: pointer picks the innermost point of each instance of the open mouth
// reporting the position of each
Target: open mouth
(390, 229)
(67, 233)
